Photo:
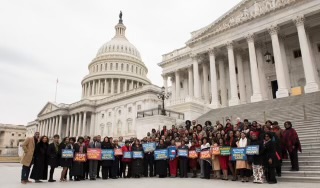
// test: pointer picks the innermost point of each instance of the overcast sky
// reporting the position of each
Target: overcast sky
(43, 40)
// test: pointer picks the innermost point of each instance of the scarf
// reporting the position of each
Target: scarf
(243, 142)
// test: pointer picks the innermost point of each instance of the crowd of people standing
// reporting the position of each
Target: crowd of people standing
(275, 143)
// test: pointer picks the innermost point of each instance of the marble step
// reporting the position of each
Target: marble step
(302, 168)
(302, 173)
(309, 153)
(299, 179)
(302, 163)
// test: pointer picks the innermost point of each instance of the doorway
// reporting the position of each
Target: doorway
(274, 87)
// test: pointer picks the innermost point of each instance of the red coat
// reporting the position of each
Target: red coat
(126, 149)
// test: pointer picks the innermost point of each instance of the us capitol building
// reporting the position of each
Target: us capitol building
(114, 90)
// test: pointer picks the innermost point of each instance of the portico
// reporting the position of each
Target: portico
(225, 62)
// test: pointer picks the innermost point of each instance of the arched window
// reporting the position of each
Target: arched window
(106, 66)
(116, 66)
(136, 69)
(111, 66)
(132, 68)
(127, 67)
(122, 66)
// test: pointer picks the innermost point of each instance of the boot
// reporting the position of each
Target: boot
(194, 173)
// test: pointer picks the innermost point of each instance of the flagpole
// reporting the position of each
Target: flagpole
(55, 95)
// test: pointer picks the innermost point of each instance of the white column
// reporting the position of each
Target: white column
(205, 82)
(119, 82)
(173, 87)
(105, 86)
(131, 85)
(284, 61)
(92, 124)
(223, 89)
(112, 86)
(234, 99)
(282, 86)
(90, 89)
(75, 126)
(196, 77)
(50, 127)
(68, 126)
(213, 80)
(84, 124)
(93, 87)
(190, 81)
(60, 124)
(256, 95)
(262, 74)
(165, 82)
(71, 125)
(54, 126)
(310, 70)
(80, 125)
(124, 87)
(177, 75)
(44, 127)
(99, 87)
(242, 88)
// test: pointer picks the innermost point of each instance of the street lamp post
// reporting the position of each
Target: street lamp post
(163, 96)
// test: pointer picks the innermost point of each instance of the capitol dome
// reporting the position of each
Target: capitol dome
(117, 68)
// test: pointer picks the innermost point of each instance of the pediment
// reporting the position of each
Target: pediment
(49, 107)
(243, 12)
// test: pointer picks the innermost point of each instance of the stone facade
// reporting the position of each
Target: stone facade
(10, 138)
(223, 64)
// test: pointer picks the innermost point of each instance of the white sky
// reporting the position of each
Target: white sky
(42, 40)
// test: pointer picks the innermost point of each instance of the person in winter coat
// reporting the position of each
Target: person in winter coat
(40, 167)
(53, 156)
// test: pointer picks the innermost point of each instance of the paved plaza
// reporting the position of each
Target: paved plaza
(10, 178)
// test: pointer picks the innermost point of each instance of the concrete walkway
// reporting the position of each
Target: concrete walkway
(11, 173)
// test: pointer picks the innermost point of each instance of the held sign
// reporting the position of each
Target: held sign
(238, 154)
(94, 154)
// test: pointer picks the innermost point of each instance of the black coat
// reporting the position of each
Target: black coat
(65, 162)
(270, 153)
(162, 165)
(256, 159)
(106, 145)
(53, 156)
(40, 166)
(137, 164)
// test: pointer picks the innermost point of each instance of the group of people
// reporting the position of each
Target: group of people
(274, 144)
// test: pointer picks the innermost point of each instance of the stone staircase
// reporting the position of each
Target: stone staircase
(304, 113)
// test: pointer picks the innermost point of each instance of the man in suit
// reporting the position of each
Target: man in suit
(28, 147)
(93, 164)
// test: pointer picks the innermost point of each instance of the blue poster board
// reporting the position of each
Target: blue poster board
(160, 154)
(149, 147)
(172, 151)
(107, 154)
(238, 154)
(67, 154)
(252, 150)
(183, 152)
(137, 155)
(127, 155)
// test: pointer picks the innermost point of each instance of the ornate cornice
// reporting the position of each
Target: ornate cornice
(241, 13)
